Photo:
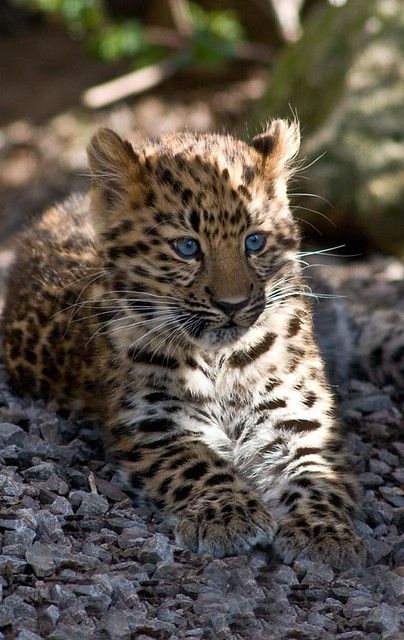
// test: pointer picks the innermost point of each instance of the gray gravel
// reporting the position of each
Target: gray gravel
(79, 560)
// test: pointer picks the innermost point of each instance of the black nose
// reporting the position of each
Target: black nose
(230, 308)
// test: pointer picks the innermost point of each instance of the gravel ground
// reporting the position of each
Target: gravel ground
(79, 560)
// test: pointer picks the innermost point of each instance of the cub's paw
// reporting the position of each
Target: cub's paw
(225, 526)
(330, 541)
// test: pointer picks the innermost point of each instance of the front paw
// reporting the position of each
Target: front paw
(330, 541)
(226, 526)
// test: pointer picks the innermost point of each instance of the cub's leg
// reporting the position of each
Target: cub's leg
(292, 452)
(158, 447)
(303, 476)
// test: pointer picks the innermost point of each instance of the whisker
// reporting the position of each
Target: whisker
(106, 329)
(311, 195)
(149, 332)
(299, 169)
(319, 213)
(304, 254)
(310, 224)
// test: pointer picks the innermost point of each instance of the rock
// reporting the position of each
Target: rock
(383, 618)
(52, 614)
(51, 432)
(7, 430)
(301, 567)
(356, 606)
(126, 592)
(61, 506)
(377, 549)
(93, 505)
(41, 559)
(398, 553)
(130, 537)
(118, 625)
(14, 609)
(346, 80)
(318, 574)
(62, 595)
(57, 485)
(48, 526)
(379, 467)
(369, 479)
(399, 447)
(369, 404)
(95, 596)
(41, 471)
(317, 619)
(154, 629)
(11, 565)
(390, 458)
(156, 549)
(21, 535)
(211, 601)
(394, 495)
(14, 550)
(28, 635)
(110, 490)
(9, 524)
(384, 510)
(398, 475)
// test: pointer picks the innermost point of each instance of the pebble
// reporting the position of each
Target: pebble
(379, 467)
(57, 485)
(130, 537)
(390, 458)
(42, 471)
(156, 549)
(369, 479)
(369, 404)
(41, 559)
(22, 534)
(61, 506)
(11, 565)
(92, 505)
(52, 614)
(286, 575)
(394, 495)
(318, 574)
(7, 430)
(356, 606)
(384, 618)
(95, 565)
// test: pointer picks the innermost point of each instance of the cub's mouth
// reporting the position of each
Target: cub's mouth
(226, 334)
(230, 324)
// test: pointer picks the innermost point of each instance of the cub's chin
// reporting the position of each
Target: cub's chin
(222, 336)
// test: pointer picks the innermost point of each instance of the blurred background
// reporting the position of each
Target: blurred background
(68, 66)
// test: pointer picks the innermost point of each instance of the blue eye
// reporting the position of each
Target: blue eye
(255, 242)
(187, 247)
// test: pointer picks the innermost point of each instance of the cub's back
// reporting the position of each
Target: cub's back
(48, 347)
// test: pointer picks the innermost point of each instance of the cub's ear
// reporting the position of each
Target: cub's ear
(113, 164)
(278, 145)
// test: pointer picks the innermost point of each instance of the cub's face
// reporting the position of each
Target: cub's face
(196, 230)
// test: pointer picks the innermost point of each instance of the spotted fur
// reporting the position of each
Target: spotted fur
(204, 372)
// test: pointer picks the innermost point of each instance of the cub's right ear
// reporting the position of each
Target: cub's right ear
(113, 163)
(278, 146)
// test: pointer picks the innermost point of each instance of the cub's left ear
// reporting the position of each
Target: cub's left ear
(278, 145)
(114, 166)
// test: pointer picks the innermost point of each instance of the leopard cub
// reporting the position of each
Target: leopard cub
(170, 300)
